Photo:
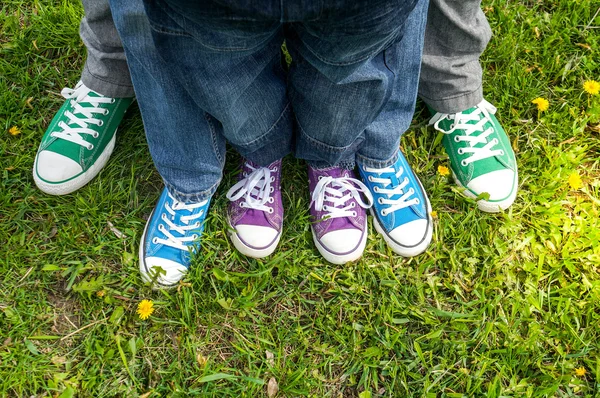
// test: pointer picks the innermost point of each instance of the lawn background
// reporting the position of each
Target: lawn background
(503, 305)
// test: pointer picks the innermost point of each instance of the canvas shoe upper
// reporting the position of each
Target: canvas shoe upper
(337, 209)
(255, 209)
(401, 209)
(170, 237)
(481, 157)
(78, 141)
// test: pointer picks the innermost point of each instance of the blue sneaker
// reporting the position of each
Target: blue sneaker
(401, 210)
(169, 239)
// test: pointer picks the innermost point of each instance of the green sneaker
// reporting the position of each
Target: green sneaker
(79, 140)
(481, 157)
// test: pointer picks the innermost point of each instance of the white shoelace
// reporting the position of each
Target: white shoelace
(81, 117)
(474, 133)
(331, 195)
(405, 199)
(255, 188)
(179, 242)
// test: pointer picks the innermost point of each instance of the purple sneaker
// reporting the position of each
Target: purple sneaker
(255, 209)
(337, 209)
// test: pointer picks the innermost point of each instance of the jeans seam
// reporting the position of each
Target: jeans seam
(213, 136)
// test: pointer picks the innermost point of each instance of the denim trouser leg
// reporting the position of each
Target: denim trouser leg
(233, 71)
(457, 33)
(342, 77)
(185, 143)
(358, 114)
(105, 69)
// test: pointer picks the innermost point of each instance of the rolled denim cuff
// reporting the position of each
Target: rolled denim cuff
(195, 197)
(375, 163)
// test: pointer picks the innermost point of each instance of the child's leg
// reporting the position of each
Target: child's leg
(187, 149)
(481, 157)
(353, 91)
(81, 137)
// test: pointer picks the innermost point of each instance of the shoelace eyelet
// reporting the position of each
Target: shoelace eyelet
(90, 147)
(376, 189)
(370, 178)
(417, 201)
(100, 123)
(383, 213)
(354, 214)
(271, 200)
(106, 112)
(155, 240)
(460, 151)
(112, 100)
(380, 201)
(271, 210)
(456, 138)
(501, 153)
(96, 135)
(464, 163)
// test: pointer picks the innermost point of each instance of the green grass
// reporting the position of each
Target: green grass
(501, 305)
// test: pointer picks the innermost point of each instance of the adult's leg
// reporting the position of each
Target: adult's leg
(105, 69)
(81, 136)
(457, 33)
(481, 157)
(186, 146)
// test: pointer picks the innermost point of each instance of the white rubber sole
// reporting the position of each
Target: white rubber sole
(343, 259)
(249, 251)
(491, 207)
(143, 272)
(79, 181)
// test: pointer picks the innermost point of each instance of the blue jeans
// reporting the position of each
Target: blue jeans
(210, 72)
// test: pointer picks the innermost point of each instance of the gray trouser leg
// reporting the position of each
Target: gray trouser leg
(457, 33)
(105, 69)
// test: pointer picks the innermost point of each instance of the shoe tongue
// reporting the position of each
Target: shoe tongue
(341, 223)
(255, 217)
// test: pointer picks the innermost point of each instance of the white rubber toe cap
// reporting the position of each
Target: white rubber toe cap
(173, 271)
(341, 241)
(255, 236)
(499, 184)
(411, 233)
(54, 167)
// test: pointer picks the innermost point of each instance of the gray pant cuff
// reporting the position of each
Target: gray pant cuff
(105, 87)
(196, 197)
(375, 163)
(454, 104)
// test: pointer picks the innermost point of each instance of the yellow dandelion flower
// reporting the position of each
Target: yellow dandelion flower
(434, 214)
(14, 130)
(101, 293)
(580, 372)
(542, 104)
(575, 181)
(145, 309)
(443, 171)
(591, 87)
